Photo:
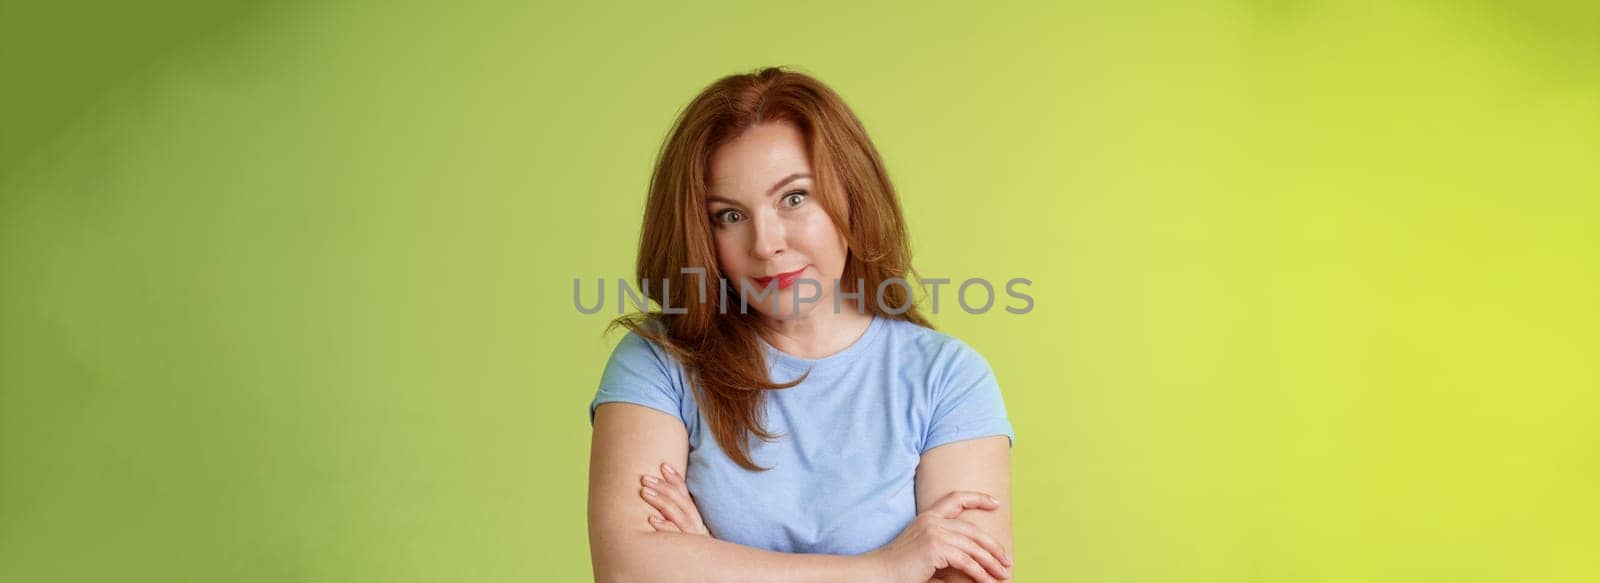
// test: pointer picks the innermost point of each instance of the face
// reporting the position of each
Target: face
(768, 222)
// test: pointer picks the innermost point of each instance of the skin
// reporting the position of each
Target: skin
(765, 222)
(643, 521)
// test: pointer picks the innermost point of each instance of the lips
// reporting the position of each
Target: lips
(784, 279)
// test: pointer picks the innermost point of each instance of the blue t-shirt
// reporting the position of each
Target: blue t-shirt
(844, 467)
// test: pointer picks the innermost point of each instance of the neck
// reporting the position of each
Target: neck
(820, 334)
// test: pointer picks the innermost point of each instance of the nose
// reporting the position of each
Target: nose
(769, 236)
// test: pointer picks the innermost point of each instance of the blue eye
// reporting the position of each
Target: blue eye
(794, 199)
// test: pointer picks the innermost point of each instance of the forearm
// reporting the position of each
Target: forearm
(671, 557)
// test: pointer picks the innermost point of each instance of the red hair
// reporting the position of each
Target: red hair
(718, 346)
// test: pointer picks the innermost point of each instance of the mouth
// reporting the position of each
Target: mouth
(784, 279)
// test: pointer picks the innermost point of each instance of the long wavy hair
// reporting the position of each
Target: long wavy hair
(716, 342)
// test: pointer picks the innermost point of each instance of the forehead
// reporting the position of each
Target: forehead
(747, 166)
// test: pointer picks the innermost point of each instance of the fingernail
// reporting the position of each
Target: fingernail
(668, 469)
(651, 480)
(993, 500)
(649, 492)
(1006, 558)
(654, 519)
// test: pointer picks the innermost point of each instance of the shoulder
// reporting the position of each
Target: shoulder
(935, 346)
(638, 358)
(960, 396)
(637, 347)
(640, 371)
(634, 346)
(945, 358)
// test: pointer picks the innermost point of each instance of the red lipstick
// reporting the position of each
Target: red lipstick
(784, 279)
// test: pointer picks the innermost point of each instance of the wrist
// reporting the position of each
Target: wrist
(869, 567)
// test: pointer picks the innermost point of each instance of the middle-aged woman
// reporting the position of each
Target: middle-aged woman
(789, 415)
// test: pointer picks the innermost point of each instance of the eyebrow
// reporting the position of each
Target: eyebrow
(770, 192)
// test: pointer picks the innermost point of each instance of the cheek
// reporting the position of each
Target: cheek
(728, 256)
(822, 241)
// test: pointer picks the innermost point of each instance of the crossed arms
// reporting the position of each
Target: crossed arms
(632, 441)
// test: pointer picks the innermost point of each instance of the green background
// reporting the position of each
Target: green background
(285, 288)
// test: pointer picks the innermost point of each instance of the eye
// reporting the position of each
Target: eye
(794, 199)
(728, 216)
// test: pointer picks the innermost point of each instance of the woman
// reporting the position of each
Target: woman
(881, 447)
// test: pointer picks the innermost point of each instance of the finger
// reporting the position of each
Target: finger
(676, 525)
(989, 543)
(653, 497)
(693, 512)
(962, 561)
(674, 482)
(665, 505)
(977, 553)
(685, 521)
(951, 505)
(684, 512)
(677, 483)
(669, 491)
(662, 525)
(675, 489)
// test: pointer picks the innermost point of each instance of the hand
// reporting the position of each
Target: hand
(937, 539)
(669, 495)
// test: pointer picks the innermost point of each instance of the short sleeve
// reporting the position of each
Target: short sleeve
(966, 401)
(639, 372)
